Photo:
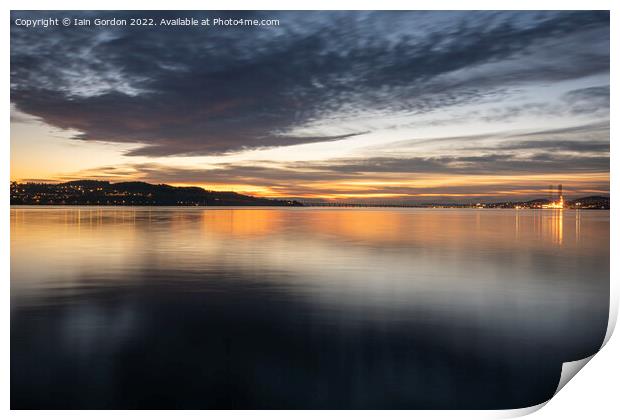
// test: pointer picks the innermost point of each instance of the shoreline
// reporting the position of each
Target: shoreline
(356, 206)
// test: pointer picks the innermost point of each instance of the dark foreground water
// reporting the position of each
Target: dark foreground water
(301, 308)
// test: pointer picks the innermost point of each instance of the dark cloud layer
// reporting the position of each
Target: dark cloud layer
(296, 179)
(274, 174)
(193, 91)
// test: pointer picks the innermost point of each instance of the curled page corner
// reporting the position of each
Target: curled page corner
(570, 369)
(520, 412)
(613, 314)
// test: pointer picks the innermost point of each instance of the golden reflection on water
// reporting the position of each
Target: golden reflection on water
(359, 258)
(517, 217)
(67, 226)
(577, 225)
(70, 238)
(555, 226)
(241, 223)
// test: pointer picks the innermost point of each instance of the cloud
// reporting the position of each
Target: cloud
(594, 131)
(588, 100)
(197, 91)
(483, 164)
(560, 145)
(277, 174)
(591, 138)
(388, 179)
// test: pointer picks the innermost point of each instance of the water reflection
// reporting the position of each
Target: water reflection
(553, 223)
(301, 308)
(577, 225)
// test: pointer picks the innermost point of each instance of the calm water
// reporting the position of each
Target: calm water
(301, 308)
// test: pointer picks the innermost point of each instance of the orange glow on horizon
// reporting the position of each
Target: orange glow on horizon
(438, 185)
(256, 190)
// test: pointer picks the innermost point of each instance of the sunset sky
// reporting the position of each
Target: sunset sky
(385, 106)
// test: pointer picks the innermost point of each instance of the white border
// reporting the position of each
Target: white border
(593, 394)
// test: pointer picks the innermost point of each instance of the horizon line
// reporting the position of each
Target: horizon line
(393, 200)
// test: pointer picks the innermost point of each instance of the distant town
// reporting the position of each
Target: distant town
(88, 192)
(93, 192)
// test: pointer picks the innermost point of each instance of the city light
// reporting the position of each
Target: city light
(555, 204)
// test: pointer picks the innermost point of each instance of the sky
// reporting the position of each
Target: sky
(399, 107)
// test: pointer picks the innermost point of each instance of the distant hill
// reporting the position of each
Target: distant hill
(136, 193)
(593, 201)
(93, 192)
